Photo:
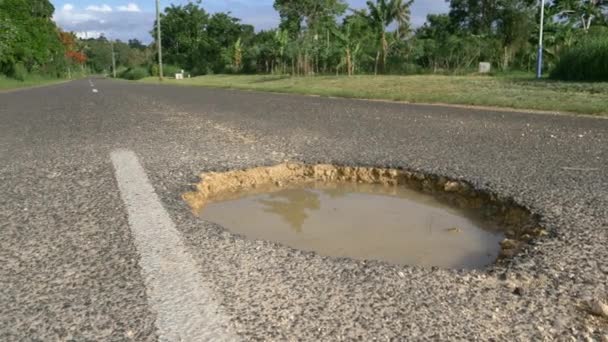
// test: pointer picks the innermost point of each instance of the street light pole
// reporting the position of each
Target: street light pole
(158, 43)
(539, 66)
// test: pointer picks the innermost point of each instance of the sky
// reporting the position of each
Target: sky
(127, 19)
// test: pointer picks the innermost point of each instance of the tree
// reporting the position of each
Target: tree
(136, 44)
(382, 13)
(281, 39)
(73, 56)
(263, 51)
(8, 41)
(40, 8)
(76, 57)
(474, 16)
(309, 13)
(184, 39)
(200, 43)
(29, 37)
(432, 39)
(99, 54)
(309, 23)
(223, 32)
(319, 37)
(515, 23)
(237, 56)
(351, 47)
(582, 13)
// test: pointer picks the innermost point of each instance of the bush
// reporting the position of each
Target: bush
(170, 70)
(404, 69)
(134, 74)
(154, 70)
(586, 61)
(19, 72)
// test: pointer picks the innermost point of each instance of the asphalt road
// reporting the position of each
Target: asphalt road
(77, 263)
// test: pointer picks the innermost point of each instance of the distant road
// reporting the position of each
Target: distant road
(96, 243)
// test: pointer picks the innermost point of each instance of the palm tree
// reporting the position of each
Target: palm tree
(237, 58)
(583, 10)
(281, 39)
(351, 47)
(383, 13)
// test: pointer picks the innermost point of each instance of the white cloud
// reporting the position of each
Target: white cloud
(102, 8)
(130, 7)
(88, 34)
(69, 15)
(93, 20)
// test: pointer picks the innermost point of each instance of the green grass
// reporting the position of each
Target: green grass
(31, 81)
(516, 91)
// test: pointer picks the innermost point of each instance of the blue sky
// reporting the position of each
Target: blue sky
(124, 19)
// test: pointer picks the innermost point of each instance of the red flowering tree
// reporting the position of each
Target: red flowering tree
(76, 57)
(73, 56)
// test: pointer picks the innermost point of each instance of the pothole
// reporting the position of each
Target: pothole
(391, 215)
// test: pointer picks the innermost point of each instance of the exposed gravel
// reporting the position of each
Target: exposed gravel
(69, 266)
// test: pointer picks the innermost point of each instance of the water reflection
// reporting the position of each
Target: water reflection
(291, 206)
(378, 222)
(336, 191)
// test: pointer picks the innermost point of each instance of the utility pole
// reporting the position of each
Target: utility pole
(113, 59)
(158, 43)
(539, 66)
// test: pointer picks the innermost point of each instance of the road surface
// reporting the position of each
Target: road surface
(96, 243)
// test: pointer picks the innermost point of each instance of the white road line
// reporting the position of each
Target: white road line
(175, 288)
(95, 91)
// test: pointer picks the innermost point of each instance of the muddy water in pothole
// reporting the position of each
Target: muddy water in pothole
(362, 221)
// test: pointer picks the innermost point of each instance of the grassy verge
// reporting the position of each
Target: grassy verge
(32, 81)
(509, 91)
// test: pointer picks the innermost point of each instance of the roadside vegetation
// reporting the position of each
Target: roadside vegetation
(322, 47)
(319, 41)
(33, 50)
(587, 60)
(7, 83)
(509, 91)
(326, 37)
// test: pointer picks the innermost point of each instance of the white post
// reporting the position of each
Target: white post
(158, 42)
(113, 59)
(539, 67)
